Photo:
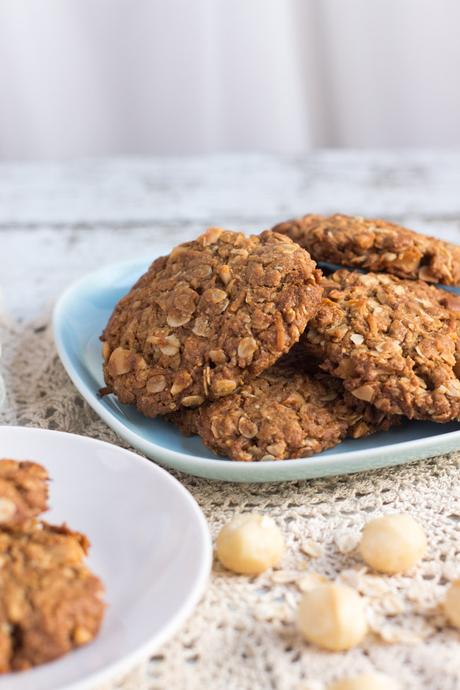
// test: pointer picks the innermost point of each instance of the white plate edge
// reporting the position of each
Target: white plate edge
(143, 652)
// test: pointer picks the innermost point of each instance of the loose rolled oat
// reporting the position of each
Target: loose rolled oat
(365, 681)
(452, 604)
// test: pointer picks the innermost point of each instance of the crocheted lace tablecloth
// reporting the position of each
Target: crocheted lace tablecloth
(56, 222)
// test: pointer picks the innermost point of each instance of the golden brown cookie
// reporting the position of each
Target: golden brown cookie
(23, 491)
(214, 313)
(284, 413)
(376, 245)
(50, 602)
(393, 342)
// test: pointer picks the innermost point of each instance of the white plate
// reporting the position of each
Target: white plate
(79, 318)
(149, 543)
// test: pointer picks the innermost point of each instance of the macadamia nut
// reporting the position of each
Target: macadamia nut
(250, 544)
(452, 604)
(332, 616)
(365, 681)
(392, 543)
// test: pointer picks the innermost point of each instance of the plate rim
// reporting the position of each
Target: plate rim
(129, 661)
(224, 469)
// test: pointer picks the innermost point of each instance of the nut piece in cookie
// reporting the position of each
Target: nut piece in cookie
(284, 413)
(50, 602)
(214, 313)
(376, 245)
(23, 491)
(393, 342)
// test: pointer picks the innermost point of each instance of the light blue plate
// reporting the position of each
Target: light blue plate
(79, 318)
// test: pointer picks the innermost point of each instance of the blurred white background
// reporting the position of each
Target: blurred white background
(142, 77)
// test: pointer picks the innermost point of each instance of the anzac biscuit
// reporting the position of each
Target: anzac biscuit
(23, 491)
(214, 313)
(49, 601)
(394, 343)
(376, 245)
(284, 413)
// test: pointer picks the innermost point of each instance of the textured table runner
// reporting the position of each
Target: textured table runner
(56, 222)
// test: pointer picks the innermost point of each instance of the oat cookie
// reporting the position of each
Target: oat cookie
(376, 245)
(284, 413)
(392, 341)
(23, 491)
(215, 312)
(49, 601)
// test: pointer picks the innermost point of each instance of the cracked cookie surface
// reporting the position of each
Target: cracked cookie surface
(284, 413)
(23, 491)
(49, 601)
(215, 312)
(377, 245)
(395, 343)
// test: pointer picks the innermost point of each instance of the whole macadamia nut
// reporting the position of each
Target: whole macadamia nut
(332, 616)
(452, 604)
(365, 681)
(250, 544)
(392, 543)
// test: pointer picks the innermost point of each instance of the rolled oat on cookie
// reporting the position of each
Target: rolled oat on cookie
(395, 343)
(50, 602)
(216, 312)
(284, 413)
(23, 491)
(377, 245)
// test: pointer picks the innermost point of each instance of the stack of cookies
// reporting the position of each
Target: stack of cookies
(50, 602)
(243, 340)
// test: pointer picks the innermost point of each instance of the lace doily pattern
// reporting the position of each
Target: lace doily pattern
(243, 633)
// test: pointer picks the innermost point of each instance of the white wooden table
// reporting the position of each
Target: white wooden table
(58, 221)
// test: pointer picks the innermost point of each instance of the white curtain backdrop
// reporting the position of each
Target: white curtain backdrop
(111, 77)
